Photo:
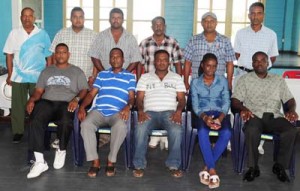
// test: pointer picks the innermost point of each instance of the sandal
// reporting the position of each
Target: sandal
(204, 177)
(93, 171)
(110, 170)
(138, 173)
(214, 181)
(176, 173)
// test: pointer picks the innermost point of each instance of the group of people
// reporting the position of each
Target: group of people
(93, 71)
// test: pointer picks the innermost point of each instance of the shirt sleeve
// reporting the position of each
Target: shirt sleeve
(286, 94)
(225, 96)
(188, 51)
(240, 89)
(237, 43)
(9, 44)
(230, 54)
(274, 47)
(132, 83)
(135, 52)
(194, 97)
(141, 85)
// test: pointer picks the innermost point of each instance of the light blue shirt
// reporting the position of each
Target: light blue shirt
(210, 98)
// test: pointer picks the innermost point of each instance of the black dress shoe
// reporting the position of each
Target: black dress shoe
(280, 172)
(17, 138)
(251, 174)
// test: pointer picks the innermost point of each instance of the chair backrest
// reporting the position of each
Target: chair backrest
(291, 74)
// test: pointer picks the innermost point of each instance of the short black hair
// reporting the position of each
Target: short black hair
(116, 10)
(27, 8)
(158, 18)
(117, 49)
(76, 9)
(161, 52)
(62, 44)
(259, 53)
(257, 4)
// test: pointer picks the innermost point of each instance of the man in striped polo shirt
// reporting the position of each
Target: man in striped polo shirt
(160, 101)
(114, 90)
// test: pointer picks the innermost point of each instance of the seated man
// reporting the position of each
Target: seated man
(115, 90)
(59, 89)
(210, 101)
(157, 96)
(258, 97)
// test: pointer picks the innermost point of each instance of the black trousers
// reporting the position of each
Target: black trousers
(46, 111)
(268, 124)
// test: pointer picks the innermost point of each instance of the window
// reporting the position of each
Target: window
(232, 15)
(137, 14)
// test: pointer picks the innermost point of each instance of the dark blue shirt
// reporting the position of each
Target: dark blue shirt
(210, 98)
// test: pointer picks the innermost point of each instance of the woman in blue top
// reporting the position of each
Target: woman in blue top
(211, 101)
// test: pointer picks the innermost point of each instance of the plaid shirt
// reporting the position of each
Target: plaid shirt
(79, 44)
(148, 47)
(198, 47)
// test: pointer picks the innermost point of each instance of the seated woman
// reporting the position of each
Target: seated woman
(210, 102)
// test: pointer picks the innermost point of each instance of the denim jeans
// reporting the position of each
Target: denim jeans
(211, 155)
(158, 120)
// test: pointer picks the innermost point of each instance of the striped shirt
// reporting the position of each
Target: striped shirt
(113, 91)
(160, 95)
(149, 46)
(104, 42)
(198, 47)
(247, 42)
(79, 45)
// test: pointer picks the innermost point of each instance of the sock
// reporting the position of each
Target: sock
(39, 157)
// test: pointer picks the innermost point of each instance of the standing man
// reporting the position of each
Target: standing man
(79, 40)
(209, 41)
(258, 97)
(59, 89)
(114, 90)
(115, 36)
(160, 41)
(26, 49)
(160, 101)
(253, 38)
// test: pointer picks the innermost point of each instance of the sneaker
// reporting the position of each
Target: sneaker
(154, 141)
(17, 138)
(37, 169)
(60, 157)
(261, 150)
(55, 144)
(164, 143)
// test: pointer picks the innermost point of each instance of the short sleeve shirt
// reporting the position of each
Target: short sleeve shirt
(262, 95)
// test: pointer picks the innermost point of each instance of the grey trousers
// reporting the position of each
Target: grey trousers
(89, 126)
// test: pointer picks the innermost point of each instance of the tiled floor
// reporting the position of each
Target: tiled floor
(13, 170)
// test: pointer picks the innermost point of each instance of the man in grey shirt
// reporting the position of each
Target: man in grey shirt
(59, 89)
(115, 37)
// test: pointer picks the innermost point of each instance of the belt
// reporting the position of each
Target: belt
(243, 68)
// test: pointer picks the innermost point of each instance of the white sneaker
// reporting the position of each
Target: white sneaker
(55, 144)
(37, 169)
(154, 140)
(261, 150)
(164, 143)
(59, 160)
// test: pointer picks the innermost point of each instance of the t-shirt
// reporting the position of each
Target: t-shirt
(160, 95)
(62, 84)
(113, 91)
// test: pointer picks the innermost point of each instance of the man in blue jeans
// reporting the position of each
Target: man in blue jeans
(160, 101)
